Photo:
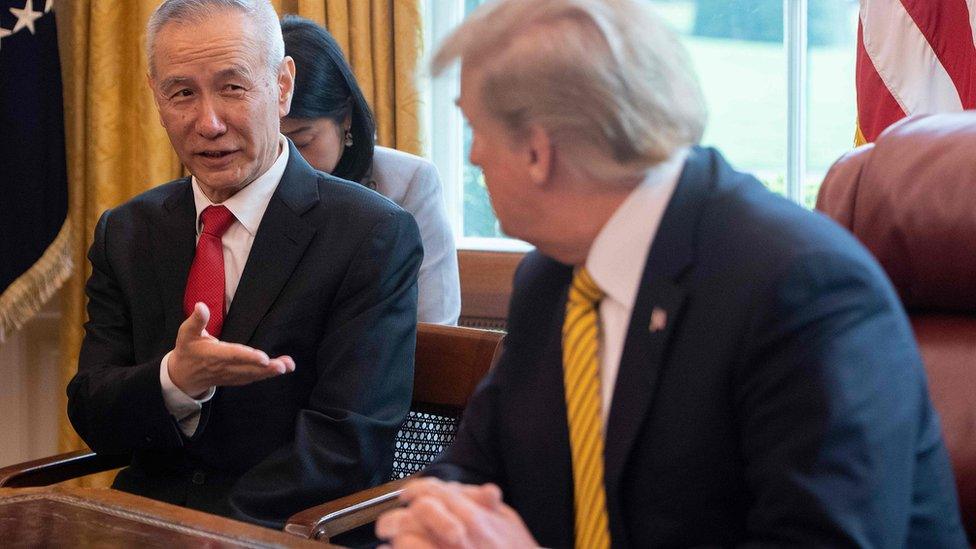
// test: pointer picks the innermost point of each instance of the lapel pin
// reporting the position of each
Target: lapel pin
(659, 319)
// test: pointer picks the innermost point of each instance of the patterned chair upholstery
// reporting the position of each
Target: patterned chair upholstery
(450, 361)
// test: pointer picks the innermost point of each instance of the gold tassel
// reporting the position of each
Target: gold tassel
(26, 295)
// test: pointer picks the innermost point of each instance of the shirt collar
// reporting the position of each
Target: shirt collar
(618, 255)
(248, 204)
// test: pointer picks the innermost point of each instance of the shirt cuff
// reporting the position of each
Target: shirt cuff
(180, 405)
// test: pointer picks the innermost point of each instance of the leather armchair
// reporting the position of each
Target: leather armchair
(911, 200)
(450, 362)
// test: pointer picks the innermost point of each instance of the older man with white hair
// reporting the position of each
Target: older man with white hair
(691, 360)
(207, 290)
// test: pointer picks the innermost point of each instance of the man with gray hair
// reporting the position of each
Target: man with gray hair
(251, 328)
(691, 360)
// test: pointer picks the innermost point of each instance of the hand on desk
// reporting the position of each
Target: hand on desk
(449, 514)
(201, 361)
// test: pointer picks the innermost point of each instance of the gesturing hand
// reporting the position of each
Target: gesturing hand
(201, 361)
(449, 514)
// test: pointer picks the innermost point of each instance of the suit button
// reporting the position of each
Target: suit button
(199, 477)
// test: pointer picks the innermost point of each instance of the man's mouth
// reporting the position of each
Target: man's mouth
(215, 154)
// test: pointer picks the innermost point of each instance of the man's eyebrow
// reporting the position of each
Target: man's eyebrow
(230, 72)
(174, 81)
(236, 70)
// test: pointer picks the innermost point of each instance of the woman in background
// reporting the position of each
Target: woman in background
(332, 126)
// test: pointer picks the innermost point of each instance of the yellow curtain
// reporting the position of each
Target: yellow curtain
(383, 40)
(117, 149)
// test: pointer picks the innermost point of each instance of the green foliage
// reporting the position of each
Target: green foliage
(479, 218)
(762, 20)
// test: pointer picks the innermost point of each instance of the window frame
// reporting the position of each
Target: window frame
(445, 143)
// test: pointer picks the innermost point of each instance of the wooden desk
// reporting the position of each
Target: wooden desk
(101, 517)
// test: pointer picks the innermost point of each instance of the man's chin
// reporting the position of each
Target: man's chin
(218, 186)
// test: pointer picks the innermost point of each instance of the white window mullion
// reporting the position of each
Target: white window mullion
(795, 36)
(442, 117)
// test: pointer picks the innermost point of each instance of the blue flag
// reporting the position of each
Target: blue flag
(34, 243)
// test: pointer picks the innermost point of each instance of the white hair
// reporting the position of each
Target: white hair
(606, 79)
(195, 11)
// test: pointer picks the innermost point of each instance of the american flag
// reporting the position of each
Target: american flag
(913, 57)
(34, 242)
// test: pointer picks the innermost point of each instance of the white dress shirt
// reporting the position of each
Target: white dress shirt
(617, 259)
(248, 206)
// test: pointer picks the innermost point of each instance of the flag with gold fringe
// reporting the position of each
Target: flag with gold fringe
(34, 237)
(913, 57)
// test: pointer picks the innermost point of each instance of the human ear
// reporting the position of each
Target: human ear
(286, 85)
(540, 153)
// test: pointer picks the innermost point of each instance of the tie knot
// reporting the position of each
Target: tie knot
(584, 289)
(216, 220)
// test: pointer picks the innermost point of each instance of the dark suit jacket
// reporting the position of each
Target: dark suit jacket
(330, 280)
(784, 402)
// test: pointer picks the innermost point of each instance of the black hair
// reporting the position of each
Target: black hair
(326, 87)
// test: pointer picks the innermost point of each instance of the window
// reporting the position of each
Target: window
(778, 80)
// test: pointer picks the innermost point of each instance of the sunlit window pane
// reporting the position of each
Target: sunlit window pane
(479, 218)
(736, 47)
(832, 111)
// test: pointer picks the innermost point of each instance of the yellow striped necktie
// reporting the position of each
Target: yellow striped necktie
(581, 377)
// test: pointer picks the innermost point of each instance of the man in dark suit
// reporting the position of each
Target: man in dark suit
(205, 291)
(691, 360)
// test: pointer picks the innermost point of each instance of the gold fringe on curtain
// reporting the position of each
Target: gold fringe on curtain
(26, 295)
(117, 149)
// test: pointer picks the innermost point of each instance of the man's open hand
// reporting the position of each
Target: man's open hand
(201, 361)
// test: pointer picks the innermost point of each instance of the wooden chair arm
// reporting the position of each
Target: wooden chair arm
(341, 515)
(58, 468)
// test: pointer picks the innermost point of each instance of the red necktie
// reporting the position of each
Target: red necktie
(206, 280)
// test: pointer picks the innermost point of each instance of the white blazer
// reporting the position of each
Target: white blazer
(413, 183)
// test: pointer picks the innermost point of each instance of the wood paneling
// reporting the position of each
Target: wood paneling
(486, 287)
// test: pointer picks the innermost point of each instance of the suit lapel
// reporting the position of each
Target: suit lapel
(657, 311)
(279, 245)
(559, 468)
(173, 244)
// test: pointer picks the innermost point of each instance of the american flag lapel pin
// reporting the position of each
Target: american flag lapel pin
(659, 319)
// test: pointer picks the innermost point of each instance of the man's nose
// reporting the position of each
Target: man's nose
(210, 122)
